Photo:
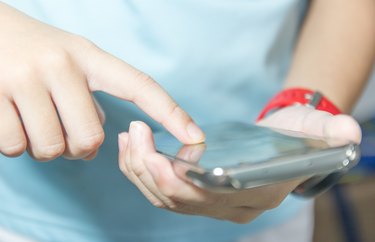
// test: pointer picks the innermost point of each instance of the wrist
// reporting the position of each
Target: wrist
(299, 96)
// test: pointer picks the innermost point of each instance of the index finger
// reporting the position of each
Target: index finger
(111, 75)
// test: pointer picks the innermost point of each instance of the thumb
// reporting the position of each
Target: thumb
(111, 75)
(313, 122)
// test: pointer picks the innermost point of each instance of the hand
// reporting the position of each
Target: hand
(159, 180)
(47, 76)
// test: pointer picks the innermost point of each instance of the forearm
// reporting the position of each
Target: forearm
(336, 50)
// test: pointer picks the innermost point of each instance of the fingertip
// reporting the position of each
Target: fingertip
(141, 138)
(178, 122)
(140, 126)
(344, 127)
(196, 134)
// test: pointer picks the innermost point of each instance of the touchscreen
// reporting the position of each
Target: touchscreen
(233, 143)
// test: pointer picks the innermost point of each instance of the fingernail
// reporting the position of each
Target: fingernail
(135, 133)
(195, 133)
(153, 169)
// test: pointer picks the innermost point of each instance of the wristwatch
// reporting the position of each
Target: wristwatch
(317, 184)
(302, 96)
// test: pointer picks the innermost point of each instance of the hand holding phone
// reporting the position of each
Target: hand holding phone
(238, 156)
(161, 183)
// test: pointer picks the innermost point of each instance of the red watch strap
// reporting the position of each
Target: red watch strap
(302, 96)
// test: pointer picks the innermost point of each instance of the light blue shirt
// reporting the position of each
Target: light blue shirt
(219, 59)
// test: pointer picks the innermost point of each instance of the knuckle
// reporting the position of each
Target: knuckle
(84, 43)
(91, 142)
(143, 79)
(54, 59)
(167, 192)
(49, 152)
(269, 205)
(272, 203)
(241, 219)
(173, 109)
(244, 217)
(144, 83)
(84, 47)
(20, 81)
(14, 150)
(138, 169)
(171, 204)
(154, 200)
(157, 204)
(24, 73)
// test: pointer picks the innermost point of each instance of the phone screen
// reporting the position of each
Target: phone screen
(234, 143)
(240, 156)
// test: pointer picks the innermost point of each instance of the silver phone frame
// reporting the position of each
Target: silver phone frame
(318, 163)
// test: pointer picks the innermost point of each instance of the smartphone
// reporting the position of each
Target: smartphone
(238, 156)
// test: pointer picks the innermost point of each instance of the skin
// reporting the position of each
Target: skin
(336, 50)
(55, 78)
(334, 55)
